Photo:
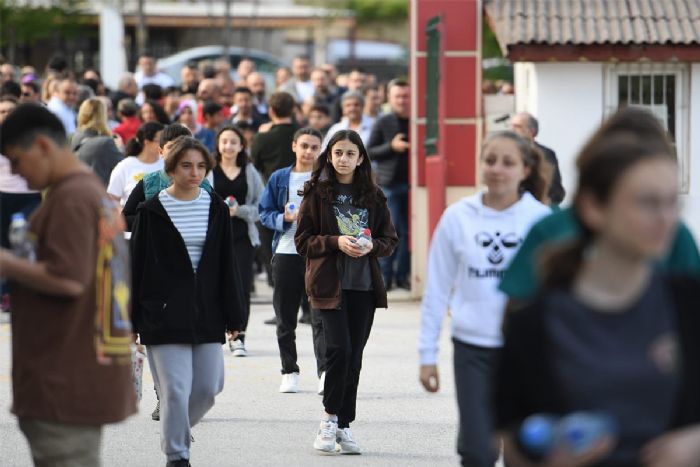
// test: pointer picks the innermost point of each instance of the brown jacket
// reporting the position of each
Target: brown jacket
(316, 238)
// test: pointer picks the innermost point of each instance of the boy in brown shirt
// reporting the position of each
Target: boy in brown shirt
(75, 295)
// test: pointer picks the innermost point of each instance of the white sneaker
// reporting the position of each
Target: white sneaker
(290, 382)
(326, 436)
(321, 383)
(348, 445)
(238, 348)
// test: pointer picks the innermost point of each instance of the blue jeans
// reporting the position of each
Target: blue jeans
(396, 268)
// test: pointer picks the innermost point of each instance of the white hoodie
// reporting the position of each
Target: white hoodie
(470, 250)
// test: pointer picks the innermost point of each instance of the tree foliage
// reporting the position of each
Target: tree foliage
(24, 24)
(367, 11)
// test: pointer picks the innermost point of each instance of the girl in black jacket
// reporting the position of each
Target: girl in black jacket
(186, 293)
(608, 333)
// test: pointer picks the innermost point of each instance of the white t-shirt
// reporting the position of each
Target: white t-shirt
(305, 89)
(286, 244)
(127, 174)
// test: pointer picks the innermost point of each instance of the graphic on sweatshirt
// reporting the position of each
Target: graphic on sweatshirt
(351, 219)
(496, 245)
(112, 323)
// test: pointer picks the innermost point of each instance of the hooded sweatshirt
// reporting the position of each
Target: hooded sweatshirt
(470, 250)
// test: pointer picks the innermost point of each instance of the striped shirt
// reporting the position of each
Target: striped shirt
(191, 219)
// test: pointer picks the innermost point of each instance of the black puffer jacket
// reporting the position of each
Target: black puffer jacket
(171, 304)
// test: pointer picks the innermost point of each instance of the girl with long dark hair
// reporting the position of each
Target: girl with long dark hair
(609, 332)
(236, 177)
(344, 225)
(470, 249)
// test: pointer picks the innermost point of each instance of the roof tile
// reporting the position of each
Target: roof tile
(584, 22)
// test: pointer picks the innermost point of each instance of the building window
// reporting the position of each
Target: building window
(661, 89)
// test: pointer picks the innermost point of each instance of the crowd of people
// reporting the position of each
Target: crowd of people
(151, 235)
(207, 176)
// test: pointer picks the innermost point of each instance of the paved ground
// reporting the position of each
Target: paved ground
(398, 424)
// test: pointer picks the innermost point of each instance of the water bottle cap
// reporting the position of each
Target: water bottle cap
(231, 198)
(291, 206)
(367, 232)
(537, 433)
(17, 216)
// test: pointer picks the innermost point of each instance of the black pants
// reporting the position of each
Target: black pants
(245, 254)
(346, 331)
(288, 273)
(473, 369)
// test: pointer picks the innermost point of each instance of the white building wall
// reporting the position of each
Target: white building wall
(691, 201)
(567, 100)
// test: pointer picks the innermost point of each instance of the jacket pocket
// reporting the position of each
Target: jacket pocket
(322, 279)
(153, 315)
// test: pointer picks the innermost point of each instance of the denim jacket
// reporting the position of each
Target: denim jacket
(273, 202)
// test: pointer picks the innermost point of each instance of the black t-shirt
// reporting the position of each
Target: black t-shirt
(624, 363)
(238, 188)
(352, 220)
(401, 174)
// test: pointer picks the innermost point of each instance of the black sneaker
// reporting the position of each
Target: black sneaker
(156, 412)
(272, 321)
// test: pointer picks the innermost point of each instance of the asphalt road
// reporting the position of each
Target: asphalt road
(398, 423)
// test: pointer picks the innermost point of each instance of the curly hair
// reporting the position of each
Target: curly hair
(366, 193)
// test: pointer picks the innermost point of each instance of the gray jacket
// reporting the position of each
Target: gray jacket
(249, 211)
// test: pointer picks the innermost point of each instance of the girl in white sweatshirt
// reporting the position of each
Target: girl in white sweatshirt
(471, 248)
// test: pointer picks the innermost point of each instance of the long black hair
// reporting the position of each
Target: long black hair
(366, 193)
(146, 132)
(161, 114)
(242, 157)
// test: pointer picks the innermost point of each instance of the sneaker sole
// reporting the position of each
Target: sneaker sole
(335, 450)
(240, 354)
(289, 391)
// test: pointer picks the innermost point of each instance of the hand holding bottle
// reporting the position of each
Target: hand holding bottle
(291, 212)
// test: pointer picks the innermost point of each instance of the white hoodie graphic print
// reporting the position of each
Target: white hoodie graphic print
(471, 248)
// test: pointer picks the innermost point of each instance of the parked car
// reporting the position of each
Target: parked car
(265, 63)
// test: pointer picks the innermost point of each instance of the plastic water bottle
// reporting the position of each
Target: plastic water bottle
(577, 432)
(18, 235)
(364, 239)
(231, 202)
(580, 431)
(538, 433)
(291, 208)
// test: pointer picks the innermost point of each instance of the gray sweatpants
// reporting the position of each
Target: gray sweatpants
(473, 367)
(188, 378)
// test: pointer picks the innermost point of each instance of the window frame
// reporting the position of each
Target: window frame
(682, 104)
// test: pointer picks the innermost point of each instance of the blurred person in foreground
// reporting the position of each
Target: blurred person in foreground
(609, 331)
(64, 392)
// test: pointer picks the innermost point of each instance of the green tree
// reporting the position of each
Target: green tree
(22, 24)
